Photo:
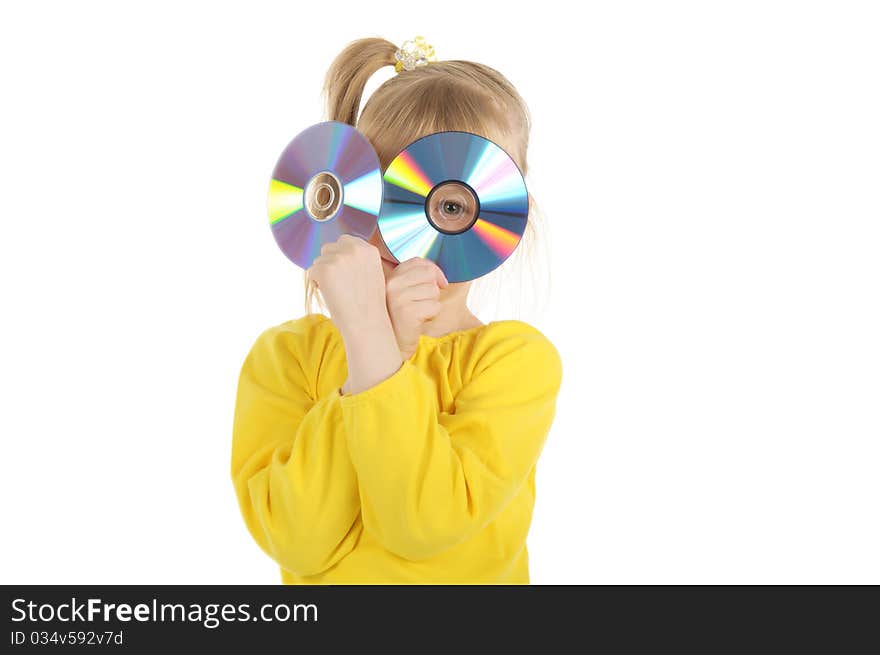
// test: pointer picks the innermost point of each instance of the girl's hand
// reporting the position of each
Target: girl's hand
(349, 274)
(412, 291)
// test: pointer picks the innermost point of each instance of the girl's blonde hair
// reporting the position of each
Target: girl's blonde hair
(441, 96)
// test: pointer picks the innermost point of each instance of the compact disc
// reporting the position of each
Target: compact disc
(457, 199)
(326, 183)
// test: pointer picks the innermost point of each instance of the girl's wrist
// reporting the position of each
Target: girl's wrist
(369, 319)
(372, 355)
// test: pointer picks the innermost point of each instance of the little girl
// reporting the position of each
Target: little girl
(395, 441)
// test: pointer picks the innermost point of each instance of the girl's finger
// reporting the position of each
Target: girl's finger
(423, 291)
(425, 309)
(415, 263)
(412, 262)
(441, 277)
(419, 270)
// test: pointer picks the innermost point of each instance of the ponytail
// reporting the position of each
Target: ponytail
(348, 75)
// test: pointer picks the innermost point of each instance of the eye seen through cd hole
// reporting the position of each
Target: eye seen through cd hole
(323, 195)
(452, 207)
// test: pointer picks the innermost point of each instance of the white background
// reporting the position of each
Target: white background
(709, 175)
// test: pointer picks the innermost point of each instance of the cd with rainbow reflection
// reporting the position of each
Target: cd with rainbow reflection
(457, 199)
(326, 183)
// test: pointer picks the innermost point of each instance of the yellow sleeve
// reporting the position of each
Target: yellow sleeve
(429, 479)
(293, 478)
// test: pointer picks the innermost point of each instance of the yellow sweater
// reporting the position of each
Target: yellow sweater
(428, 477)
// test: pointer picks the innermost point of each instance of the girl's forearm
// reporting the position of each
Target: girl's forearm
(372, 355)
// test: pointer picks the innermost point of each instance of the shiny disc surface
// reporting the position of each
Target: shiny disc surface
(461, 163)
(326, 183)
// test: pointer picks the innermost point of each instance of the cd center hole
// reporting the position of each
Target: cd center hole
(323, 195)
(452, 207)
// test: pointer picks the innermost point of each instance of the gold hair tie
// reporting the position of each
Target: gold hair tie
(413, 54)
